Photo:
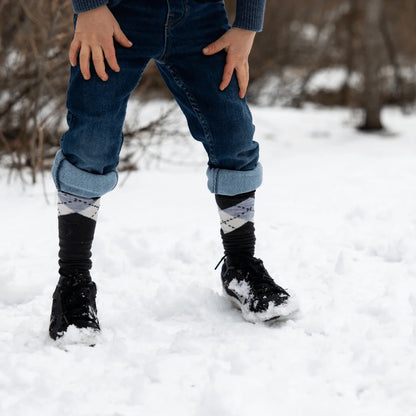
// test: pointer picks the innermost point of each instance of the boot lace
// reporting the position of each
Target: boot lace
(260, 279)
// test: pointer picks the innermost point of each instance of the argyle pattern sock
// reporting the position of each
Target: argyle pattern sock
(71, 204)
(237, 227)
(76, 221)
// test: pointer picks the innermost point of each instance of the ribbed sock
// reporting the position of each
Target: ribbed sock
(237, 227)
(76, 221)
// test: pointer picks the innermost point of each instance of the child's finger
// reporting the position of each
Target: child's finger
(98, 60)
(242, 78)
(84, 60)
(121, 38)
(73, 51)
(110, 55)
(227, 75)
(215, 47)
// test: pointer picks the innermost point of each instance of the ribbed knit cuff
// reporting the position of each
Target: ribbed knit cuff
(249, 15)
(85, 5)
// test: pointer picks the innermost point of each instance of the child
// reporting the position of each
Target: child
(204, 62)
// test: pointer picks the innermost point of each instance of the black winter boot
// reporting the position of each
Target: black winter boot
(73, 304)
(74, 296)
(249, 286)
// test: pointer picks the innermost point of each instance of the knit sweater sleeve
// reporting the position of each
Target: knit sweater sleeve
(249, 14)
(85, 5)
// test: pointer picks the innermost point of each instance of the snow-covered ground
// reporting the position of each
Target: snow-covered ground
(336, 223)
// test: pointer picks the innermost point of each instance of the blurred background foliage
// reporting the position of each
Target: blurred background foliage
(355, 53)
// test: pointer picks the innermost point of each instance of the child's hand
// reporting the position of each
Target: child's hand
(237, 43)
(94, 33)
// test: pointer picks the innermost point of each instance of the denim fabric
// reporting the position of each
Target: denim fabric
(173, 33)
(75, 181)
(234, 182)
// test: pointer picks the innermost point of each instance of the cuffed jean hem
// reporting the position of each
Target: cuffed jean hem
(72, 180)
(234, 182)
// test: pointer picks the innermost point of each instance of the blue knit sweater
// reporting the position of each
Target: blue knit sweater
(249, 13)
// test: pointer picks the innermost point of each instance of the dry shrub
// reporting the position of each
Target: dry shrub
(305, 36)
(34, 71)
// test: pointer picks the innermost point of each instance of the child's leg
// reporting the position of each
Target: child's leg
(85, 166)
(223, 123)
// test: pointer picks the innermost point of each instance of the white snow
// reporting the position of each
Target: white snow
(78, 336)
(336, 223)
(332, 79)
(242, 289)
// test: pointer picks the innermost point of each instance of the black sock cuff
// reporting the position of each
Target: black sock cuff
(76, 227)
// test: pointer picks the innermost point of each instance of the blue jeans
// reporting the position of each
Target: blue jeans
(173, 33)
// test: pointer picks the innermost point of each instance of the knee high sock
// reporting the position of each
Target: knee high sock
(76, 221)
(237, 227)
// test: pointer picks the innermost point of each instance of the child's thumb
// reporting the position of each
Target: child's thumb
(121, 38)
